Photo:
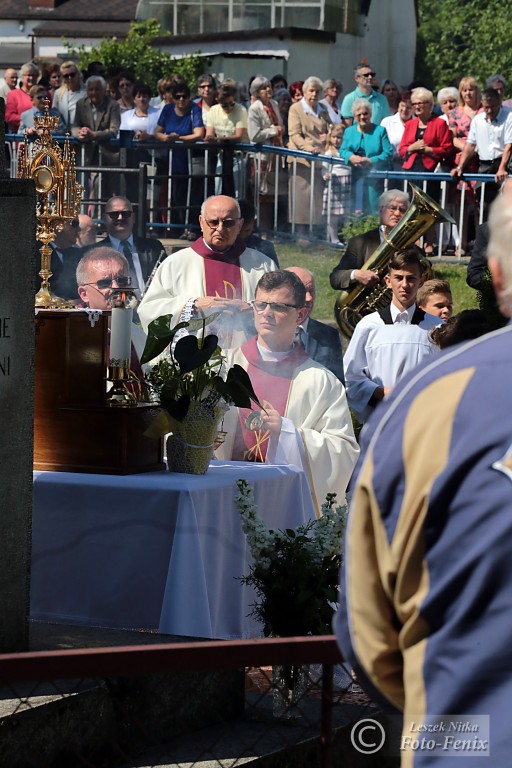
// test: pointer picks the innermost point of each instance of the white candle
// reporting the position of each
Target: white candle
(121, 333)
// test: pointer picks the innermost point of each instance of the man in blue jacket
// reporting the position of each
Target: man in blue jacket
(425, 613)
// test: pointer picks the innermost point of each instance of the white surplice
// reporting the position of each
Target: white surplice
(379, 355)
(316, 434)
(180, 279)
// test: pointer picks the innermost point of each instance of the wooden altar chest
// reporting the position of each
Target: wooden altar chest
(74, 429)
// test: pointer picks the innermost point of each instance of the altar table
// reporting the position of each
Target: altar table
(156, 551)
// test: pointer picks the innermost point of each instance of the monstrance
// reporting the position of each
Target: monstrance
(59, 195)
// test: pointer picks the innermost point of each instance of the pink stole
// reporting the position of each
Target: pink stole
(272, 383)
(222, 273)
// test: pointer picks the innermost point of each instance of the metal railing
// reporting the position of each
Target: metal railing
(174, 704)
(170, 201)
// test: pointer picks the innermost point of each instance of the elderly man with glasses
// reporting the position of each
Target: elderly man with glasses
(142, 253)
(305, 420)
(100, 271)
(365, 79)
(217, 273)
(349, 273)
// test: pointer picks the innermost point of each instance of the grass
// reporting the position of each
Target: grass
(322, 260)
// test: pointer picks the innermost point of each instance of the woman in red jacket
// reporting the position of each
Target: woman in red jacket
(427, 141)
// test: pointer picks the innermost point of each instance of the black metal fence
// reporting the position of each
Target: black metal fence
(181, 704)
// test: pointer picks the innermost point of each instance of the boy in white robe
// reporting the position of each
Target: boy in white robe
(389, 343)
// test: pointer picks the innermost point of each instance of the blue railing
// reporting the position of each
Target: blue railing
(248, 174)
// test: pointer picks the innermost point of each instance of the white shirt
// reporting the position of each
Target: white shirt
(490, 137)
(402, 317)
(335, 116)
(395, 130)
(379, 355)
(132, 122)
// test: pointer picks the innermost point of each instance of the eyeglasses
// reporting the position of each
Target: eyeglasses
(180, 97)
(367, 75)
(401, 208)
(114, 215)
(226, 223)
(41, 96)
(275, 306)
(67, 75)
(227, 104)
(104, 283)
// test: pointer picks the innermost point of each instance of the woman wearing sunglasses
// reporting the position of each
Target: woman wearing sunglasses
(181, 120)
(39, 95)
(70, 92)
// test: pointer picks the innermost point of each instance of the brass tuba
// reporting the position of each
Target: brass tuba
(352, 305)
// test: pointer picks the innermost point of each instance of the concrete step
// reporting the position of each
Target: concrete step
(95, 722)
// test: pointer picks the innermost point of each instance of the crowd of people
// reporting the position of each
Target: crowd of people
(390, 127)
(431, 454)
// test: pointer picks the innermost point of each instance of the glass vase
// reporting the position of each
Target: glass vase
(289, 687)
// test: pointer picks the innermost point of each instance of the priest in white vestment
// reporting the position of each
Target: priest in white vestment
(391, 342)
(306, 420)
(217, 273)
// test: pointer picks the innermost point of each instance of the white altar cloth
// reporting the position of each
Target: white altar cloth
(155, 551)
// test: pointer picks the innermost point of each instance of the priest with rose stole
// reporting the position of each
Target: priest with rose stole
(216, 274)
(306, 420)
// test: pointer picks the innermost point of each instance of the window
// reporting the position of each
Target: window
(200, 16)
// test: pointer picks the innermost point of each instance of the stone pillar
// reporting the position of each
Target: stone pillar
(17, 269)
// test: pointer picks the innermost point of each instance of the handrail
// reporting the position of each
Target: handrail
(168, 657)
(152, 185)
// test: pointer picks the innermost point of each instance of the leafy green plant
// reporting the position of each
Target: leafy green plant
(191, 371)
(462, 38)
(138, 54)
(358, 224)
(296, 571)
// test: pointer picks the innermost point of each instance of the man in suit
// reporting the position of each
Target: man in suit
(348, 274)
(64, 258)
(142, 253)
(100, 271)
(321, 341)
(97, 120)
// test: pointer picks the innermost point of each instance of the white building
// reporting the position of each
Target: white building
(240, 37)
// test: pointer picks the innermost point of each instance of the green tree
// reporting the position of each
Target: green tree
(463, 37)
(138, 54)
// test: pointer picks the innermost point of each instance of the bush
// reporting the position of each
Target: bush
(138, 54)
(358, 224)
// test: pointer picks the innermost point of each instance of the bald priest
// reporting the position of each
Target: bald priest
(216, 274)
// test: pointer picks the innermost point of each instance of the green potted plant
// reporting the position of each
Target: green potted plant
(190, 382)
(295, 576)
